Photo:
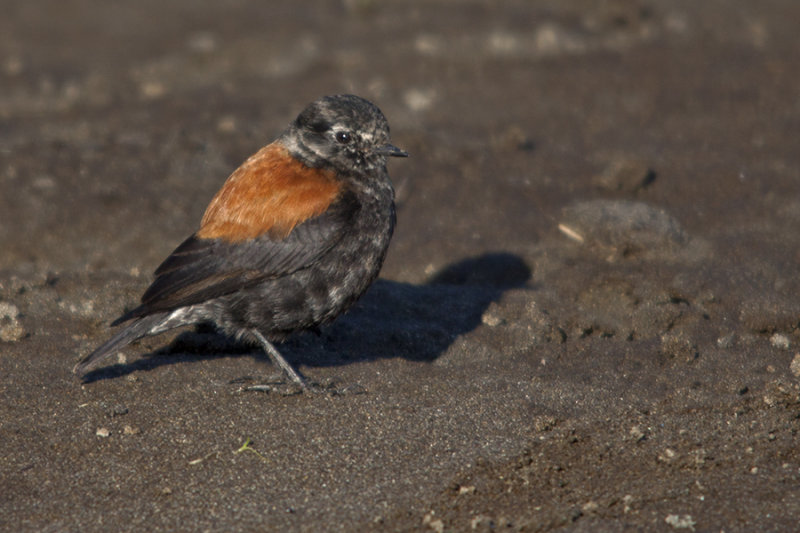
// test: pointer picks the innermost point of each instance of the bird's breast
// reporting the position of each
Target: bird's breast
(271, 193)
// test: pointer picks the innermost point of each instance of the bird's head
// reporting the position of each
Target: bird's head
(345, 132)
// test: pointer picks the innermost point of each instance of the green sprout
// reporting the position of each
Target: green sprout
(247, 448)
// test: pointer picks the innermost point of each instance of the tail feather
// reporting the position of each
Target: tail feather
(135, 330)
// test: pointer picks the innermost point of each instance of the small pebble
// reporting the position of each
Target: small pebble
(152, 89)
(726, 341)
(627, 500)
(590, 507)
(103, 432)
(490, 319)
(419, 100)
(637, 434)
(226, 124)
(780, 341)
(433, 523)
(627, 174)
(680, 521)
(794, 366)
(10, 328)
(203, 42)
(480, 520)
(667, 455)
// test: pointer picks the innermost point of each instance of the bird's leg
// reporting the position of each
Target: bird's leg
(278, 360)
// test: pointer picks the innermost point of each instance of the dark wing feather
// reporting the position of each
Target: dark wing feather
(201, 269)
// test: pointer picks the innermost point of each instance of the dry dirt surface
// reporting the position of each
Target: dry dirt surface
(588, 319)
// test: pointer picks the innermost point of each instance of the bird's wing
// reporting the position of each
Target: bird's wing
(273, 216)
(204, 268)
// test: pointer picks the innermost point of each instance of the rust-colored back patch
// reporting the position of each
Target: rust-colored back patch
(271, 193)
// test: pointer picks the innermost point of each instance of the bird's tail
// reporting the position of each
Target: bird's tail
(148, 325)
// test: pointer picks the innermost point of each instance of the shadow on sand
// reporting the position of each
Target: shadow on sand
(416, 322)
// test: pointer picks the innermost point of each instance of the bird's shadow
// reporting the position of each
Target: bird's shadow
(393, 319)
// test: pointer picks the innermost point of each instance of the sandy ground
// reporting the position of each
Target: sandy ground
(587, 320)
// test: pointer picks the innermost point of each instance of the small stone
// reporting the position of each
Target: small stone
(627, 500)
(590, 507)
(490, 318)
(677, 346)
(667, 455)
(699, 456)
(637, 434)
(152, 89)
(794, 366)
(780, 341)
(726, 341)
(428, 45)
(513, 138)
(548, 39)
(103, 432)
(226, 124)
(13, 66)
(627, 174)
(418, 99)
(680, 521)
(203, 42)
(479, 521)
(466, 490)
(503, 43)
(433, 523)
(10, 328)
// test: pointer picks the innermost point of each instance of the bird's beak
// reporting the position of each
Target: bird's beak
(391, 150)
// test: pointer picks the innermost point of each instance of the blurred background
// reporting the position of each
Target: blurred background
(597, 250)
(120, 120)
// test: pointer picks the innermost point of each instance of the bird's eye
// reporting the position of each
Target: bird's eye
(343, 137)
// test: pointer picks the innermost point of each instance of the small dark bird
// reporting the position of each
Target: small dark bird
(292, 239)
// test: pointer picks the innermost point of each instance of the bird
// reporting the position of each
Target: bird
(292, 239)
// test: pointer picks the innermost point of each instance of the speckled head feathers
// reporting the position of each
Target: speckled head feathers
(342, 131)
